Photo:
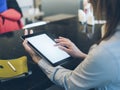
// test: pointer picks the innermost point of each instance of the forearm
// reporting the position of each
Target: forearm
(46, 68)
(52, 72)
(61, 76)
(83, 55)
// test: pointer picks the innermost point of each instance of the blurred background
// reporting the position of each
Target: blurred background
(34, 10)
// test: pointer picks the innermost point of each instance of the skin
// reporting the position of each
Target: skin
(34, 56)
(63, 43)
(69, 47)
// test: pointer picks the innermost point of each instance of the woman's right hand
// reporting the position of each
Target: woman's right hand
(69, 47)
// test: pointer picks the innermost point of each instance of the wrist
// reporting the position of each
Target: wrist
(36, 59)
(82, 55)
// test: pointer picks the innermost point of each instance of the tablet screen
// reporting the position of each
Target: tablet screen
(46, 46)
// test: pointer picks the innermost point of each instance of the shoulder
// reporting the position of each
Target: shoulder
(100, 60)
(103, 57)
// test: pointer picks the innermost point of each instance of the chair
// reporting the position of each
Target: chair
(13, 68)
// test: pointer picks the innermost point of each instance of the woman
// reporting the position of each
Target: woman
(100, 69)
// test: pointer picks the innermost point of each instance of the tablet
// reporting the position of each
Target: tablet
(44, 45)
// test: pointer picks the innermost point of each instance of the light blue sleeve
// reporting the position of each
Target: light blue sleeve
(97, 70)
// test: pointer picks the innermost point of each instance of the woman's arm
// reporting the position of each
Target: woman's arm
(69, 47)
(92, 72)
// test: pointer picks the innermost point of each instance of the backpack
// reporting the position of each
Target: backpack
(10, 21)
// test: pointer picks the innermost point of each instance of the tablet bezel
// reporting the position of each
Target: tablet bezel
(39, 53)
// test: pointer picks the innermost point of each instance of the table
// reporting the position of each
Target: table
(11, 47)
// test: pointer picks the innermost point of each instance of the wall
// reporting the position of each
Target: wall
(51, 7)
(25, 6)
(25, 3)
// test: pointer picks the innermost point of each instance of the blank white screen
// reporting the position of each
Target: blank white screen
(45, 45)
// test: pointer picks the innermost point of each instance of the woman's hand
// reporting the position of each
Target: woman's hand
(69, 47)
(34, 56)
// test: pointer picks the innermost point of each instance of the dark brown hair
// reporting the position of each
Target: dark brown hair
(110, 10)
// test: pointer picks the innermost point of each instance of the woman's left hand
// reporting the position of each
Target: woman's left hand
(34, 56)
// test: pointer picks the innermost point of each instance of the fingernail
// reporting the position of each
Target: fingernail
(31, 31)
